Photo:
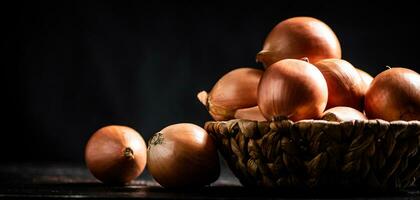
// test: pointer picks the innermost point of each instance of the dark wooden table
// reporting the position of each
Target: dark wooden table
(73, 181)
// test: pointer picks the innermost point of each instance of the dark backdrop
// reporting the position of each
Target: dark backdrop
(72, 67)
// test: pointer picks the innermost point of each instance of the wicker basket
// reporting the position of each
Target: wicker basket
(316, 154)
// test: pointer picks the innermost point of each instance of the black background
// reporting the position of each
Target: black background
(73, 67)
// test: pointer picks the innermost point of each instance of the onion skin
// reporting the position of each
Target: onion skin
(345, 86)
(299, 37)
(235, 90)
(183, 155)
(366, 78)
(394, 94)
(116, 154)
(342, 113)
(252, 113)
(292, 89)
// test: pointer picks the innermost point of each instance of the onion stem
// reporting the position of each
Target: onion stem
(128, 153)
(156, 139)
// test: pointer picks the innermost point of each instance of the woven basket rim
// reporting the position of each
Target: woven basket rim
(259, 152)
(319, 121)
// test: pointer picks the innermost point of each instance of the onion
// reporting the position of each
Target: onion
(341, 113)
(235, 90)
(294, 89)
(299, 37)
(394, 94)
(183, 155)
(252, 113)
(116, 154)
(366, 78)
(345, 87)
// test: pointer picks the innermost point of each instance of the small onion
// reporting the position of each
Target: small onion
(366, 78)
(345, 86)
(294, 89)
(394, 94)
(183, 155)
(116, 154)
(252, 113)
(299, 37)
(341, 113)
(235, 90)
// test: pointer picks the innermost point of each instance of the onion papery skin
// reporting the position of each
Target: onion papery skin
(394, 94)
(183, 156)
(366, 78)
(342, 113)
(252, 113)
(345, 86)
(292, 89)
(299, 37)
(116, 154)
(235, 90)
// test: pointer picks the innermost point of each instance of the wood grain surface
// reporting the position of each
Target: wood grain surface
(73, 181)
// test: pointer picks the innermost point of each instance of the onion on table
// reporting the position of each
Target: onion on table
(183, 155)
(116, 154)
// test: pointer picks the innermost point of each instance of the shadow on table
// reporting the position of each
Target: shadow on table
(74, 181)
(139, 190)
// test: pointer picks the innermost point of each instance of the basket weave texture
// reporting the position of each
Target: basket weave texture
(312, 154)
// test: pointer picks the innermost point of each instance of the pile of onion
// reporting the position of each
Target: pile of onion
(345, 86)
(116, 154)
(234, 96)
(394, 94)
(304, 78)
(183, 155)
(299, 37)
(292, 89)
